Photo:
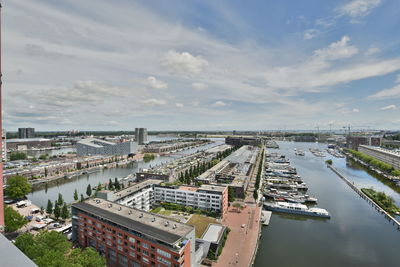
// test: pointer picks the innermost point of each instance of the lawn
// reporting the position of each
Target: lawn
(200, 222)
(156, 210)
(165, 212)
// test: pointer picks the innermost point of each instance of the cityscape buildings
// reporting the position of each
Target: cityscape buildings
(26, 133)
(141, 135)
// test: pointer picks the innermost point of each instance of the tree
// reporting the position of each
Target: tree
(13, 220)
(60, 199)
(99, 187)
(82, 198)
(18, 156)
(64, 211)
(57, 211)
(89, 190)
(255, 195)
(76, 195)
(43, 157)
(17, 187)
(49, 208)
(52, 249)
(110, 185)
(116, 184)
(231, 194)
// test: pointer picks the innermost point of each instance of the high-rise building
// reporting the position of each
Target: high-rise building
(24, 133)
(141, 135)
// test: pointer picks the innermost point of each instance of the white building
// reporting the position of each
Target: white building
(93, 146)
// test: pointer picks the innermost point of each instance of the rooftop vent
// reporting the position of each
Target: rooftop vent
(120, 208)
(109, 205)
(154, 219)
(129, 212)
(166, 223)
(174, 227)
(141, 215)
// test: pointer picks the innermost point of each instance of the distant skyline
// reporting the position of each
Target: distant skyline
(201, 65)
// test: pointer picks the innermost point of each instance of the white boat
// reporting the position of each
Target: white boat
(296, 208)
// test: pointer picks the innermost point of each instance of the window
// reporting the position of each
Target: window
(132, 240)
(146, 260)
(164, 261)
(164, 253)
(145, 245)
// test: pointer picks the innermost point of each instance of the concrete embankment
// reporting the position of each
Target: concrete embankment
(388, 216)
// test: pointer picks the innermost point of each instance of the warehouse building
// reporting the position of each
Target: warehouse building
(93, 146)
(385, 155)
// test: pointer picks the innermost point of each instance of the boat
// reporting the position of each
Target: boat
(296, 208)
(299, 152)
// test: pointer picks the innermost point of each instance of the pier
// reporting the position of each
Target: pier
(367, 198)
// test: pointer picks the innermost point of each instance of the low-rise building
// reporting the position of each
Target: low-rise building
(28, 143)
(385, 155)
(241, 141)
(130, 237)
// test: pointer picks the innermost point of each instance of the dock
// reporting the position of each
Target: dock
(389, 217)
(265, 217)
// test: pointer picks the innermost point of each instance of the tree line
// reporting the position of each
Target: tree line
(194, 171)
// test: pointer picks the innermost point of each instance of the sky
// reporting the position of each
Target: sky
(200, 65)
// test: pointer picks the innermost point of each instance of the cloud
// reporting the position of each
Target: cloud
(199, 86)
(389, 107)
(152, 82)
(372, 51)
(355, 110)
(154, 102)
(398, 78)
(39, 51)
(309, 34)
(358, 8)
(183, 63)
(337, 50)
(179, 105)
(393, 92)
(219, 104)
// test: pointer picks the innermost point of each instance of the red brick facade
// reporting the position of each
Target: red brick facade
(122, 248)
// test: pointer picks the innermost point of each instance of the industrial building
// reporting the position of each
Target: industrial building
(28, 143)
(353, 142)
(242, 141)
(24, 133)
(93, 146)
(385, 155)
(141, 135)
(130, 237)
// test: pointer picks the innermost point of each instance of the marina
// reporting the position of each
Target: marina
(361, 235)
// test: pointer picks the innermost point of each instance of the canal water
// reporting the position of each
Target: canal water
(356, 234)
(81, 182)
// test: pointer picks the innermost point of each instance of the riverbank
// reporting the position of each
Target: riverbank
(382, 200)
(366, 197)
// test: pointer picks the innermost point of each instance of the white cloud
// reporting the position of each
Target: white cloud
(219, 104)
(156, 84)
(389, 107)
(183, 63)
(199, 86)
(179, 105)
(393, 92)
(309, 34)
(358, 8)
(372, 51)
(398, 78)
(337, 50)
(355, 110)
(154, 102)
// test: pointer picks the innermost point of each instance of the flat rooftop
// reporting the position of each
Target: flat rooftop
(213, 233)
(383, 150)
(134, 188)
(149, 224)
(94, 142)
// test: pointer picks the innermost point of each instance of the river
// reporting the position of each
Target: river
(81, 182)
(356, 234)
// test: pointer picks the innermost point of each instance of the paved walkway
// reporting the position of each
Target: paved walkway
(242, 241)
